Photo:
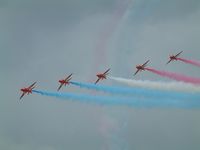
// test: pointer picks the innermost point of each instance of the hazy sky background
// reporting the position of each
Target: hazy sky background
(45, 40)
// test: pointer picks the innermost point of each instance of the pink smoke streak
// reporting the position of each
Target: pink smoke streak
(175, 76)
(106, 34)
(192, 62)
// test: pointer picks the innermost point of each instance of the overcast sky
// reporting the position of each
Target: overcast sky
(45, 40)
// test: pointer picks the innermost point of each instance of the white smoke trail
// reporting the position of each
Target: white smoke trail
(159, 85)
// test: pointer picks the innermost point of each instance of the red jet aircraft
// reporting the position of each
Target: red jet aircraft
(64, 81)
(102, 76)
(27, 90)
(141, 67)
(173, 57)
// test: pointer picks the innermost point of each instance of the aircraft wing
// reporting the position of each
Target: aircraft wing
(136, 72)
(97, 80)
(178, 54)
(106, 71)
(32, 88)
(145, 63)
(22, 95)
(60, 87)
(32, 85)
(68, 77)
(169, 61)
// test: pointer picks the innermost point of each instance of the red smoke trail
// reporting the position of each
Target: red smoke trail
(100, 53)
(192, 62)
(106, 34)
(175, 76)
(101, 48)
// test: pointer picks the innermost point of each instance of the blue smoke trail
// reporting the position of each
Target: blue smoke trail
(140, 92)
(134, 102)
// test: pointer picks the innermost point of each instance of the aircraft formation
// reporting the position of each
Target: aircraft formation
(100, 76)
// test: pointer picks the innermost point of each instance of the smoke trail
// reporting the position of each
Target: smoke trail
(107, 33)
(132, 102)
(84, 98)
(192, 62)
(159, 85)
(175, 76)
(138, 92)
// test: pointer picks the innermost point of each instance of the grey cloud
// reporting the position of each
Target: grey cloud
(45, 40)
